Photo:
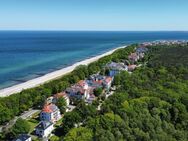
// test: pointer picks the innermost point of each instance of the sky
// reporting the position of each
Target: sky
(118, 15)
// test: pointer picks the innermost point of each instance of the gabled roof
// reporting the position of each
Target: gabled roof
(49, 108)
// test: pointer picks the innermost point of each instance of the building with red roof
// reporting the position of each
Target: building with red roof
(80, 90)
(50, 112)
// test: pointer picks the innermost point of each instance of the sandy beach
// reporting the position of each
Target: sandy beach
(50, 76)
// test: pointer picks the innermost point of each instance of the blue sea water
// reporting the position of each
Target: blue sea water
(28, 54)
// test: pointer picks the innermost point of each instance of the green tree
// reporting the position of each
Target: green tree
(20, 127)
(98, 91)
(79, 134)
(61, 104)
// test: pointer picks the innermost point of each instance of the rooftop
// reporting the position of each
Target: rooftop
(49, 108)
(44, 125)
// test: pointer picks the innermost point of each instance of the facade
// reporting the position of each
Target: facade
(115, 68)
(79, 90)
(51, 113)
(44, 129)
(23, 137)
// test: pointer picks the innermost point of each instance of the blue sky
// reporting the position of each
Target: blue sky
(94, 15)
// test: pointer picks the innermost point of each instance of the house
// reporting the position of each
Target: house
(60, 95)
(107, 82)
(23, 137)
(100, 81)
(50, 112)
(115, 68)
(96, 81)
(97, 77)
(44, 129)
(141, 49)
(132, 67)
(80, 90)
(133, 57)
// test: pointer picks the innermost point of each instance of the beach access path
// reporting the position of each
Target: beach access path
(50, 76)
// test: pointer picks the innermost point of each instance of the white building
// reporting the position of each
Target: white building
(115, 68)
(50, 112)
(80, 90)
(44, 129)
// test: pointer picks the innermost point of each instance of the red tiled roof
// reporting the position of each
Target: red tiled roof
(47, 108)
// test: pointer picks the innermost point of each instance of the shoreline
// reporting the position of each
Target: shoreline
(51, 76)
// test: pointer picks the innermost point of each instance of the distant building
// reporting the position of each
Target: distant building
(115, 68)
(23, 137)
(44, 129)
(132, 67)
(133, 57)
(50, 112)
(107, 82)
(79, 90)
(141, 49)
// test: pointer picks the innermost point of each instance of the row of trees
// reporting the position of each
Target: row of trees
(149, 104)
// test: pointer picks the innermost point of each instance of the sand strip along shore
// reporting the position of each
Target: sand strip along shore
(50, 76)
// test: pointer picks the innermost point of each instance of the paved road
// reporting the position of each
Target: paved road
(25, 115)
(29, 113)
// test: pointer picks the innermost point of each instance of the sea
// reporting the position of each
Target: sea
(25, 55)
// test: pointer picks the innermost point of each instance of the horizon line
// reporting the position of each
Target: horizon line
(93, 30)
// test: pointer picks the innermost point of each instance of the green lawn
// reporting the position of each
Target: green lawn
(33, 123)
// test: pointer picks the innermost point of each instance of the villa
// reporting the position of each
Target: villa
(44, 129)
(133, 57)
(79, 90)
(115, 68)
(50, 112)
(142, 49)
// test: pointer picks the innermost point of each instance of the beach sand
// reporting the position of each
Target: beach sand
(50, 76)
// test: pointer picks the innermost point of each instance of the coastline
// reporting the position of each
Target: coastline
(51, 76)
